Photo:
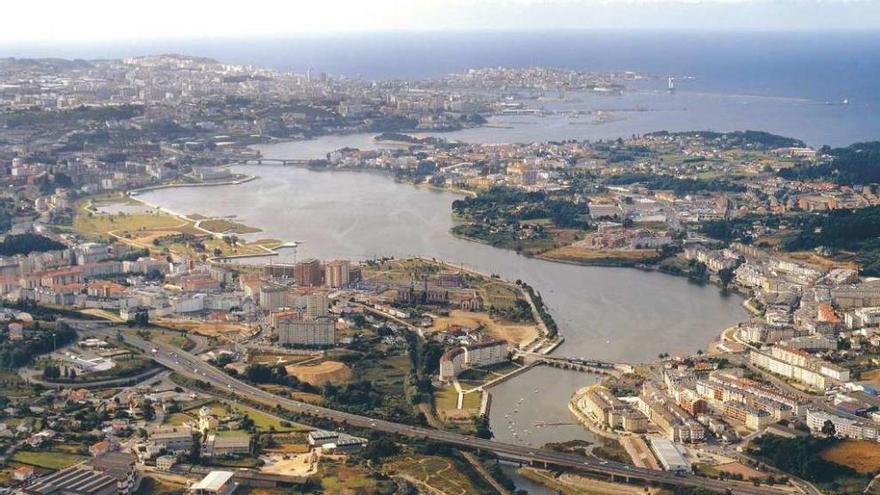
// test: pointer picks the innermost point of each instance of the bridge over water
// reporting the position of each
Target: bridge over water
(285, 162)
(578, 364)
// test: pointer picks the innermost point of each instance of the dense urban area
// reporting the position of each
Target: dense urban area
(145, 351)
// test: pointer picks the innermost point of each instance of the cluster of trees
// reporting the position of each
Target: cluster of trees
(18, 354)
(30, 118)
(405, 138)
(552, 328)
(27, 243)
(740, 139)
(360, 396)
(393, 123)
(856, 230)
(846, 229)
(424, 360)
(801, 457)
(857, 163)
(379, 447)
(520, 311)
(507, 205)
(276, 374)
(51, 372)
(8, 212)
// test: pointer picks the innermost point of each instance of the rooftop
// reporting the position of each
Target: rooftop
(214, 481)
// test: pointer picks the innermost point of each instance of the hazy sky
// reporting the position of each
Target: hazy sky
(88, 21)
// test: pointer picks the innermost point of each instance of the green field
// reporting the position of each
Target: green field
(446, 399)
(387, 374)
(47, 459)
(223, 225)
(499, 295)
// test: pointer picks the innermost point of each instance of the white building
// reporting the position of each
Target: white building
(669, 455)
(215, 483)
(843, 427)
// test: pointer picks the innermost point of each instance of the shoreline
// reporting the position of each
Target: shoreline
(268, 250)
(234, 182)
(636, 266)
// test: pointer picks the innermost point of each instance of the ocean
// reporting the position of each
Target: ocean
(817, 70)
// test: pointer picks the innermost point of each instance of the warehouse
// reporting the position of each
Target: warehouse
(669, 455)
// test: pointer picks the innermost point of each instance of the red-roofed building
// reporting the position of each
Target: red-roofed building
(104, 289)
(827, 314)
(197, 284)
(23, 473)
(62, 276)
(100, 448)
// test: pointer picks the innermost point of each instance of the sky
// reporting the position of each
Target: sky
(52, 22)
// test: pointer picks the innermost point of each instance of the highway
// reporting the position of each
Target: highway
(191, 366)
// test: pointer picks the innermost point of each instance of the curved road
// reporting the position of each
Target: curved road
(188, 365)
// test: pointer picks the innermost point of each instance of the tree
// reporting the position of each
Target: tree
(379, 448)
(147, 409)
(828, 428)
(483, 430)
(195, 454)
(51, 372)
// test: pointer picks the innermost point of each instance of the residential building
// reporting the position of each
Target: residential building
(612, 412)
(337, 274)
(455, 360)
(311, 333)
(843, 427)
(176, 439)
(308, 273)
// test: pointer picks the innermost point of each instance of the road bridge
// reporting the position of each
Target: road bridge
(578, 364)
(285, 162)
(192, 367)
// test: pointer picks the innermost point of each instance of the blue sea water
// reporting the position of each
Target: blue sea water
(804, 76)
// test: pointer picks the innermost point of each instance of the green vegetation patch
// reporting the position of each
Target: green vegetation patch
(47, 459)
(802, 457)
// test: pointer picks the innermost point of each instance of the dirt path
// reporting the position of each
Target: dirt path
(639, 452)
(480, 468)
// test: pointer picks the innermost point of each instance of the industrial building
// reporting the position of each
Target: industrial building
(215, 483)
(669, 455)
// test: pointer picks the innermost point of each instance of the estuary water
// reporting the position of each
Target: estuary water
(617, 314)
(614, 314)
